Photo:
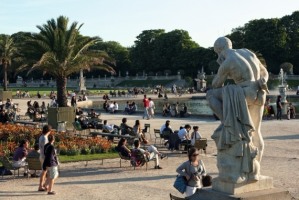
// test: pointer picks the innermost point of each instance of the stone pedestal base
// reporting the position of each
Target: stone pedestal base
(270, 194)
(264, 183)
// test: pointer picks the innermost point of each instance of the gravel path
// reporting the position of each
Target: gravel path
(108, 181)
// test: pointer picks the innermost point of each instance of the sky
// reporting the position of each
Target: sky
(123, 20)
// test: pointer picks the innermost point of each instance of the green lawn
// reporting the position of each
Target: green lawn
(143, 83)
(46, 90)
(89, 157)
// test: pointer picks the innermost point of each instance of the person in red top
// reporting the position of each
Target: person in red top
(146, 106)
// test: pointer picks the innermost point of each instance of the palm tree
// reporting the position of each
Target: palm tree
(8, 51)
(65, 51)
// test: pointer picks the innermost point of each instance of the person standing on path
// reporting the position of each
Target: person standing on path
(151, 108)
(43, 140)
(193, 170)
(50, 164)
(146, 107)
(279, 107)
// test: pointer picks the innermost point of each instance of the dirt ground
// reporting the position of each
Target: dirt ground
(109, 181)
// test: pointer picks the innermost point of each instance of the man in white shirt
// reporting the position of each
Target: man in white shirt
(43, 140)
(184, 133)
(195, 135)
(115, 107)
(184, 136)
(110, 127)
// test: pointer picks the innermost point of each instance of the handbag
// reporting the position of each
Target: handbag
(206, 181)
(180, 184)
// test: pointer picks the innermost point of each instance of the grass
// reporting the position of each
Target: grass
(46, 90)
(143, 83)
(89, 157)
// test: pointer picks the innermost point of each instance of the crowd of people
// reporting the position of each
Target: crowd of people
(174, 110)
(8, 111)
(269, 111)
(36, 111)
(111, 107)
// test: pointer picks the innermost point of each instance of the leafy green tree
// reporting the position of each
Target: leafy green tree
(157, 51)
(172, 51)
(290, 23)
(64, 51)
(141, 54)
(116, 51)
(8, 51)
(287, 67)
(189, 81)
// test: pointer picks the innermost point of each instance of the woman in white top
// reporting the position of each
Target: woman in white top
(195, 135)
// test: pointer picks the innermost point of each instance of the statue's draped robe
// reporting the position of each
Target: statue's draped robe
(237, 126)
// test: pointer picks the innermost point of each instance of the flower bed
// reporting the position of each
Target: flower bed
(75, 145)
(11, 134)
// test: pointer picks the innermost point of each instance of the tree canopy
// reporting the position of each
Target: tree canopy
(276, 39)
(63, 51)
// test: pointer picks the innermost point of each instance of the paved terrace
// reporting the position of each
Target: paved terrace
(109, 182)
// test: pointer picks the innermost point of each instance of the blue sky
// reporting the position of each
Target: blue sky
(123, 20)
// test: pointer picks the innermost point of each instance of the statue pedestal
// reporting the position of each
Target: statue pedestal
(264, 183)
(270, 194)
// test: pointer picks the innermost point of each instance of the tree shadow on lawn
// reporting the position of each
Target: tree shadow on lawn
(118, 180)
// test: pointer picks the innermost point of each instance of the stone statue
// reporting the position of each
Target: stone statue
(240, 107)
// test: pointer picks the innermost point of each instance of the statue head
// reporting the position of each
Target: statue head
(221, 44)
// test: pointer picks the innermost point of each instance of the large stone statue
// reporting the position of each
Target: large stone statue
(240, 107)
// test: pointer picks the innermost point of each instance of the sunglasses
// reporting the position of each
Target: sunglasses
(194, 155)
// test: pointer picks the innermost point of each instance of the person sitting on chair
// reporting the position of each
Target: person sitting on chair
(184, 111)
(125, 129)
(19, 157)
(166, 128)
(184, 136)
(34, 154)
(123, 149)
(110, 127)
(150, 154)
(195, 135)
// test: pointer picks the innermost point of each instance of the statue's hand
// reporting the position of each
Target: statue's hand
(263, 84)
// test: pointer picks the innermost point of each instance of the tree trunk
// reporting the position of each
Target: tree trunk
(4, 64)
(61, 91)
